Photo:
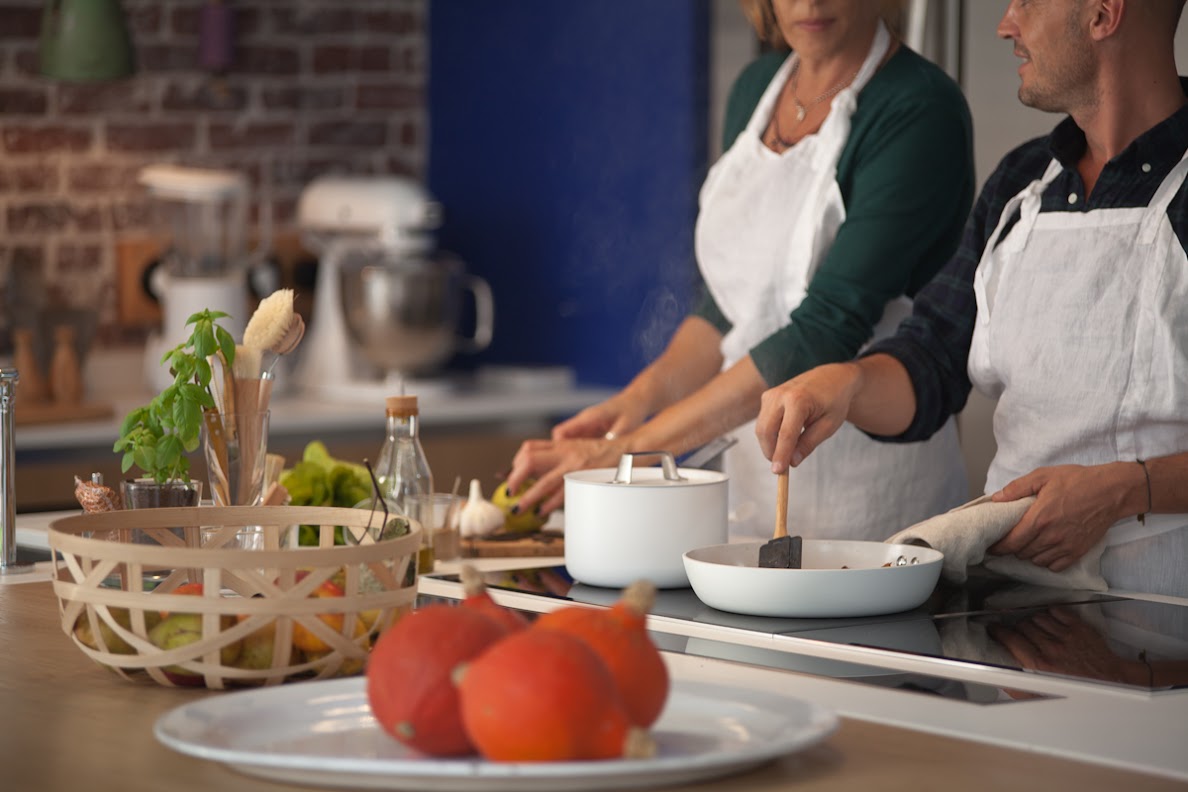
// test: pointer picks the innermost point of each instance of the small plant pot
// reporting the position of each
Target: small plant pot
(149, 494)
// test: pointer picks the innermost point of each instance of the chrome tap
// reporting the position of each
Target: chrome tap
(8, 547)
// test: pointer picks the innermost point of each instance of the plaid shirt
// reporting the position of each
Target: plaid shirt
(933, 343)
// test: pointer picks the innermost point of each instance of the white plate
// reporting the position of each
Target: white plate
(728, 577)
(322, 733)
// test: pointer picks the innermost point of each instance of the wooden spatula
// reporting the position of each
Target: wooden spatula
(783, 551)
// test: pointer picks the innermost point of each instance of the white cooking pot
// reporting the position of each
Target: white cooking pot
(629, 523)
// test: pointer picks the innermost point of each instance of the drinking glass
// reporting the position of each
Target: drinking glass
(236, 449)
(149, 494)
(438, 513)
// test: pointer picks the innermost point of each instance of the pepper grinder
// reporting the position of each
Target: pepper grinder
(65, 373)
(34, 389)
(8, 548)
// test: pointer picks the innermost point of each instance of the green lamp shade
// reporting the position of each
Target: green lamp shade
(85, 40)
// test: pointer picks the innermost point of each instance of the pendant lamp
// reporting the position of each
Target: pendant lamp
(85, 41)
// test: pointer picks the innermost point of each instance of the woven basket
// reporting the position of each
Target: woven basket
(265, 615)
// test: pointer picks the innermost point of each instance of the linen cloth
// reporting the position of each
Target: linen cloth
(965, 533)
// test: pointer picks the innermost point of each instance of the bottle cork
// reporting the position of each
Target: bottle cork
(402, 406)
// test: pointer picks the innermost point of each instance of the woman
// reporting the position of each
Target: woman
(846, 181)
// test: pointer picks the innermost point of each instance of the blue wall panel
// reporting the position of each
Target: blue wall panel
(567, 145)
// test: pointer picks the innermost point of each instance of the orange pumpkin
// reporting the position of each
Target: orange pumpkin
(307, 641)
(620, 638)
(543, 695)
(478, 598)
(409, 682)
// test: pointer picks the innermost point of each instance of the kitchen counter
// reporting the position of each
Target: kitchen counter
(471, 430)
(69, 724)
(298, 414)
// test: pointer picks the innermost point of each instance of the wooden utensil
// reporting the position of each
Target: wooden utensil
(783, 551)
(781, 523)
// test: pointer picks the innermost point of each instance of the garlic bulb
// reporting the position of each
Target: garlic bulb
(479, 517)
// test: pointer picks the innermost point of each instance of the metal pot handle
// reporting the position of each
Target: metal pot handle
(627, 461)
(484, 315)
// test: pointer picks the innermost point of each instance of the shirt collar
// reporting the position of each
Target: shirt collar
(1161, 146)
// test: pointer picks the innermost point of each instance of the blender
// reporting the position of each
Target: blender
(203, 215)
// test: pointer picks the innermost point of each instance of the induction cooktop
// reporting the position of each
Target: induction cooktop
(988, 621)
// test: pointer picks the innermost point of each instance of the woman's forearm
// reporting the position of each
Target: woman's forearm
(691, 359)
(727, 401)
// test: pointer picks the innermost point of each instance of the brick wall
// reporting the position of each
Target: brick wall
(315, 87)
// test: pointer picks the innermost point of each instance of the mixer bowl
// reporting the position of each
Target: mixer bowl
(404, 312)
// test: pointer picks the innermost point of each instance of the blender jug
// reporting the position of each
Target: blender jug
(201, 214)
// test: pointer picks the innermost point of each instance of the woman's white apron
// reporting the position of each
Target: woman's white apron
(766, 221)
(1080, 336)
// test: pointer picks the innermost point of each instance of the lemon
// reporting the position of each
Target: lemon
(525, 522)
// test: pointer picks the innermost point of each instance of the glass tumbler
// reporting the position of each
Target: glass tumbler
(236, 448)
(438, 513)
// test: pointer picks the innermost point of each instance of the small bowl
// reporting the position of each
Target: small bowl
(728, 577)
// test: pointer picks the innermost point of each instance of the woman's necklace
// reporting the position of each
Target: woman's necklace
(801, 108)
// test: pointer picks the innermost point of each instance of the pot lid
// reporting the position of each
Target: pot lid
(628, 475)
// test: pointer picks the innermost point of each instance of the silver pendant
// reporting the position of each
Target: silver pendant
(800, 110)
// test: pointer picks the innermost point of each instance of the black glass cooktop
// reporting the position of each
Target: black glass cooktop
(988, 621)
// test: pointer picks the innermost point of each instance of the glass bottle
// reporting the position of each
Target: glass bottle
(402, 470)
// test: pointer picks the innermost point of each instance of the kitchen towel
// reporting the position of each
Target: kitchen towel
(965, 533)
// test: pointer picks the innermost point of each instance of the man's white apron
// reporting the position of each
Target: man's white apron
(1082, 336)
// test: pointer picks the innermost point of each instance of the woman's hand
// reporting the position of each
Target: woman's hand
(616, 416)
(1074, 507)
(549, 460)
(796, 417)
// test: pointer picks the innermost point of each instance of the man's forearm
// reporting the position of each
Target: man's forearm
(884, 401)
(1169, 485)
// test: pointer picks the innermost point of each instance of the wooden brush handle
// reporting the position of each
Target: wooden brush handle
(781, 519)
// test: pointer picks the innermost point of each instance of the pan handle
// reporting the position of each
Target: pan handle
(627, 462)
(709, 452)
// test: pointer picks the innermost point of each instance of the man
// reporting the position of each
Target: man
(1067, 301)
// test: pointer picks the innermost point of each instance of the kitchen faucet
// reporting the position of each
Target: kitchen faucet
(8, 548)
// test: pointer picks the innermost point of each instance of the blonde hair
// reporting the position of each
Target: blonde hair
(761, 15)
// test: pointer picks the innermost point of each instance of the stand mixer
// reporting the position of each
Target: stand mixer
(387, 304)
(203, 212)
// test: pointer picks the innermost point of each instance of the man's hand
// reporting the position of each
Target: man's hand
(1059, 641)
(1074, 507)
(796, 417)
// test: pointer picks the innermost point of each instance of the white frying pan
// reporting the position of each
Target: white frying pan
(728, 577)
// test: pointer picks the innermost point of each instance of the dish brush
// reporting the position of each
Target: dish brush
(274, 328)
(479, 517)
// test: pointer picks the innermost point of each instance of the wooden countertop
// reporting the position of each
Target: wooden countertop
(67, 724)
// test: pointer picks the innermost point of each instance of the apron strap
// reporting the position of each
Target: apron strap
(1027, 201)
(878, 48)
(1157, 209)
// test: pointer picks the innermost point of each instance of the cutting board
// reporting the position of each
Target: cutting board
(544, 543)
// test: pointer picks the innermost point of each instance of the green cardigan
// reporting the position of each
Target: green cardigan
(906, 177)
